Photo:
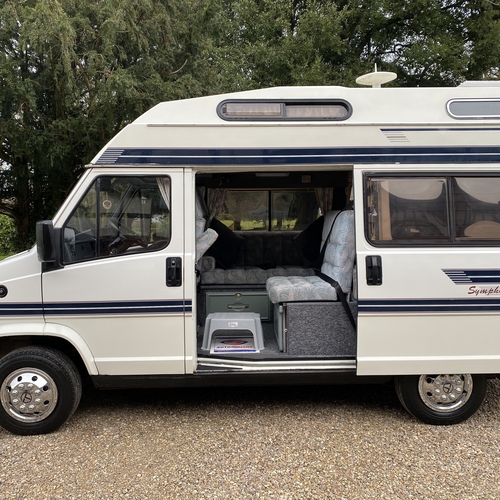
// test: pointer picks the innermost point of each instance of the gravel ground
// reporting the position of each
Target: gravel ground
(255, 443)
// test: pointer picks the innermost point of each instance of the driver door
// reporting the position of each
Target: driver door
(121, 288)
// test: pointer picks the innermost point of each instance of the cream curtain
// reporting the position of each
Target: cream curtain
(324, 196)
(164, 187)
(215, 201)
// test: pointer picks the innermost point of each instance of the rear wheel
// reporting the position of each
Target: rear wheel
(40, 389)
(441, 399)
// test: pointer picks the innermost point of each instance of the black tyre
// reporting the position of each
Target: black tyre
(441, 399)
(40, 388)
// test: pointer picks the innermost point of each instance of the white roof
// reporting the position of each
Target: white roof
(376, 114)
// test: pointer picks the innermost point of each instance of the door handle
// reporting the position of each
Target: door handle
(373, 270)
(174, 271)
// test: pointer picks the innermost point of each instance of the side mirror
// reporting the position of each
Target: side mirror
(45, 241)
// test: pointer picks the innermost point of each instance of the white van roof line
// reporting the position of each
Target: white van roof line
(378, 118)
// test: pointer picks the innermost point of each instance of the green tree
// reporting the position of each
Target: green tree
(427, 42)
(7, 235)
(72, 74)
(325, 42)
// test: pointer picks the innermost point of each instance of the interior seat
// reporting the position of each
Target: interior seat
(338, 263)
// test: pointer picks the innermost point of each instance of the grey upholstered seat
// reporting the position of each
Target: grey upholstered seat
(262, 255)
(338, 263)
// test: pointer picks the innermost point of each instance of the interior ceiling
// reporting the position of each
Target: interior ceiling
(248, 180)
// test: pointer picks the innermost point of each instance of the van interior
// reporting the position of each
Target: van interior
(267, 245)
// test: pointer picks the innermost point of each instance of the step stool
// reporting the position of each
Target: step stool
(233, 321)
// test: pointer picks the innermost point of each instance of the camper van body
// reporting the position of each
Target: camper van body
(128, 306)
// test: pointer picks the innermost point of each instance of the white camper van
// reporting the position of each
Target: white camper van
(302, 235)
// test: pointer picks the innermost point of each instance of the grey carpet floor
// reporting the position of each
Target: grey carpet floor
(270, 352)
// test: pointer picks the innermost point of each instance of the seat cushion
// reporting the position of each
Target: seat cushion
(204, 242)
(250, 275)
(340, 251)
(298, 288)
(338, 264)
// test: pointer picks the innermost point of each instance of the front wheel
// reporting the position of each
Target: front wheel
(441, 399)
(40, 389)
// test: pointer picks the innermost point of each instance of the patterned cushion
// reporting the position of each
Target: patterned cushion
(200, 221)
(264, 254)
(204, 239)
(338, 264)
(298, 288)
(277, 271)
(340, 251)
(213, 277)
(299, 271)
(204, 242)
(206, 263)
(249, 275)
(235, 276)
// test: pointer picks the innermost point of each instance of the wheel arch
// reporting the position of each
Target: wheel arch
(59, 337)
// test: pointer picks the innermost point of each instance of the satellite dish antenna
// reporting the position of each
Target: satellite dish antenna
(377, 78)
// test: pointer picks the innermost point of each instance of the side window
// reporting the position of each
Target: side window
(275, 210)
(476, 208)
(407, 210)
(457, 210)
(119, 215)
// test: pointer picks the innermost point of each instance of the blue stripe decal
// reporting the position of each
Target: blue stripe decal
(98, 308)
(441, 129)
(468, 276)
(429, 306)
(21, 309)
(299, 156)
(118, 308)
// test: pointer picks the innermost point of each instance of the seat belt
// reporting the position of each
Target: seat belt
(340, 294)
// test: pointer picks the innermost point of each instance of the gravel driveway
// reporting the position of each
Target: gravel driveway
(285, 443)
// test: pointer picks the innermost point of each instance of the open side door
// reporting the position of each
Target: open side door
(429, 290)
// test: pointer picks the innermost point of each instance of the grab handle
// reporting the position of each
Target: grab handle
(238, 307)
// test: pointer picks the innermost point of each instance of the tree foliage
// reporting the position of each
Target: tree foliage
(325, 42)
(7, 236)
(74, 72)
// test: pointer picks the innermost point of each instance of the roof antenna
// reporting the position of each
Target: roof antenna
(377, 78)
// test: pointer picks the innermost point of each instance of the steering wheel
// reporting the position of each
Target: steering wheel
(127, 235)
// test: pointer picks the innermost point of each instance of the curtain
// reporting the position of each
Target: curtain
(164, 187)
(324, 196)
(215, 201)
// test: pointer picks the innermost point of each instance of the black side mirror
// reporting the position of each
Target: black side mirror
(45, 241)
